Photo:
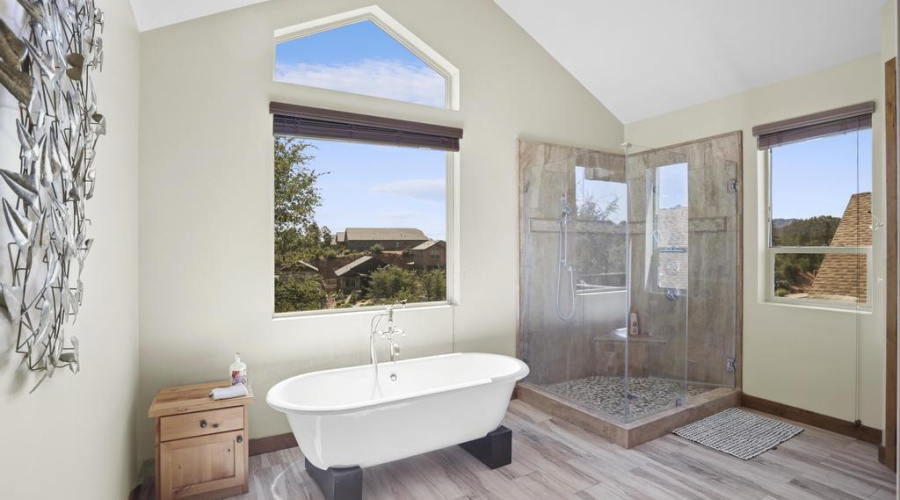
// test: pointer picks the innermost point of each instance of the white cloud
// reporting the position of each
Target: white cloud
(419, 189)
(381, 78)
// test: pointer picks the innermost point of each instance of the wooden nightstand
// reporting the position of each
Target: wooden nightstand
(201, 444)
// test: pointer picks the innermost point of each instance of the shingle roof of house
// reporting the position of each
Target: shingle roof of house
(673, 242)
(384, 234)
(428, 244)
(378, 260)
(349, 267)
(309, 266)
(673, 227)
(844, 275)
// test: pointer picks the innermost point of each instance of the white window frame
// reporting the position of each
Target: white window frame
(765, 158)
(390, 26)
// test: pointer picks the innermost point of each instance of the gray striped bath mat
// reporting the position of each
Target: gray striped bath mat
(739, 433)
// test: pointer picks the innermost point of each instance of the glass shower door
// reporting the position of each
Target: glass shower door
(660, 280)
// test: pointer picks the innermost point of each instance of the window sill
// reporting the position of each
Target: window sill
(818, 306)
(420, 306)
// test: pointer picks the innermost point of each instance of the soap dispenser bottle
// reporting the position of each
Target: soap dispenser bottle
(633, 326)
(238, 370)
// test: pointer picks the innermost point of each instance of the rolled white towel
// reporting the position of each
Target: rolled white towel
(235, 391)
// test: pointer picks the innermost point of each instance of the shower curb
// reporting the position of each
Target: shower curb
(639, 431)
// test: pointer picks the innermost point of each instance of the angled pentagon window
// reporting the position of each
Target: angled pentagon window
(364, 52)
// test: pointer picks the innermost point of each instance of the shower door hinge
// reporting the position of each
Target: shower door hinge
(730, 365)
(732, 185)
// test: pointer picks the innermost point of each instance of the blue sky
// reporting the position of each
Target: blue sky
(818, 177)
(362, 59)
(672, 185)
(381, 186)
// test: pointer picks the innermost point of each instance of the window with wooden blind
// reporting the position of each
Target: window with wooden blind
(819, 205)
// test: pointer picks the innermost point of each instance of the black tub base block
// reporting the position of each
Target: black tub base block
(494, 450)
(338, 484)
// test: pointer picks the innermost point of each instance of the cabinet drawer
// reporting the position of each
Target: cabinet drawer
(201, 423)
(203, 465)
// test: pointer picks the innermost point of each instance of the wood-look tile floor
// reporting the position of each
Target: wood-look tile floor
(554, 459)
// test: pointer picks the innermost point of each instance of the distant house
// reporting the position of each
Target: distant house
(354, 275)
(340, 238)
(844, 276)
(363, 238)
(430, 254)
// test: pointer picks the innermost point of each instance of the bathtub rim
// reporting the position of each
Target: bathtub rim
(296, 409)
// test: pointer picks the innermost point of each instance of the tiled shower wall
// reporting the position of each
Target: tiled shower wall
(557, 350)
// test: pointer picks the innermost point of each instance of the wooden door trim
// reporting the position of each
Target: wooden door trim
(888, 452)
(829, 423)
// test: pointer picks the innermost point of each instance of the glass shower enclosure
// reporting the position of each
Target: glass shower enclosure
(630, 273)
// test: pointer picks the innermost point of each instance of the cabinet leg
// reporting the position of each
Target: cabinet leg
(494, 450)
(338, 484)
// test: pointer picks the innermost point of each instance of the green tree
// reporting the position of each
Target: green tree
(792, 271)
(296, 197)
(434, 284)
(299, 292)
(600, 253)
(390, 283)
(815, 231)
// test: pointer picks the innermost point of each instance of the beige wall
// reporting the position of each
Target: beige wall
(889, 30)
(206, 191)
(75, 436)
(799, 356)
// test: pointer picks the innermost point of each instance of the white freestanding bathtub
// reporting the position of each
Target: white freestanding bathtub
(345, 418)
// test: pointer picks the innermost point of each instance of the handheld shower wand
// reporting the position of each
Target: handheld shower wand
(563, 263)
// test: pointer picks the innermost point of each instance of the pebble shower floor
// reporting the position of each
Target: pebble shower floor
(607, 394)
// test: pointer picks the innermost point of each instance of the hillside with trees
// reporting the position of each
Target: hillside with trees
(795, 273)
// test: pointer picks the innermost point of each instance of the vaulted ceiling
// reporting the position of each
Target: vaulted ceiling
(643, 58)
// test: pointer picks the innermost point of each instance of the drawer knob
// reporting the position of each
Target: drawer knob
(240, 439)
(203, 424)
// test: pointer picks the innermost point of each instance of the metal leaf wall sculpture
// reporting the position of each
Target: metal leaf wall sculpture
(47, 69)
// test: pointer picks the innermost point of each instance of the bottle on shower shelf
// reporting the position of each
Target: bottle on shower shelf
(633, 326)
(238, 370)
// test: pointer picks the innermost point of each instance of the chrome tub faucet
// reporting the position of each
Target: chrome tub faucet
(390, 334)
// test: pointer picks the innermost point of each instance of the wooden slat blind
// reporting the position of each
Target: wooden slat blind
(304, 121)
(835, 121)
